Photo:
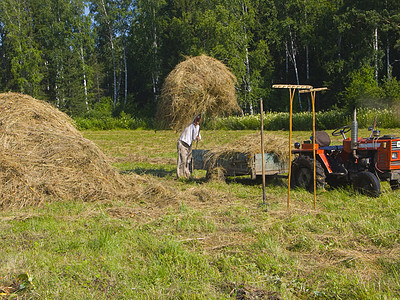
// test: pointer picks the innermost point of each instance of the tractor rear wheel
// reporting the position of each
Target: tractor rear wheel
(367, 183)
(303, 173)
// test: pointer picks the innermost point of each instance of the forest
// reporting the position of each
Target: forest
(83, 55)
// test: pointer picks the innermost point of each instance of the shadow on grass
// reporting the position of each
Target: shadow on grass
(269, 180)
(245, 180)
(160, 172)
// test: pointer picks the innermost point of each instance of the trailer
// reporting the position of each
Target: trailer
(238, 163)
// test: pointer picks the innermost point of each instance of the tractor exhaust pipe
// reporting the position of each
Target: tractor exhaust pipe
(354, 132)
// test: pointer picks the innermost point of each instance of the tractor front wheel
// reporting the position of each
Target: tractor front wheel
(367, 183)
(303, 173)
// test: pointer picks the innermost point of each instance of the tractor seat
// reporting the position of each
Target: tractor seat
(322, 139)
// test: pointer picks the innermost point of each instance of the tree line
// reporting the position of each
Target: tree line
(83, 55)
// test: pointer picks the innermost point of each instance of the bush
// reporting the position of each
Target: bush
(328, 120)
(124, 121)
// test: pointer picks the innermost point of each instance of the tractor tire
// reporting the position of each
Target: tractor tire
(394, 184)
(302, 173)
(367, 183)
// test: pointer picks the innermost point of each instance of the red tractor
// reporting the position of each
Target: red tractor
(362, 162)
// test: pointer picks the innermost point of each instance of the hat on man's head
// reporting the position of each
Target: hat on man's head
(197, 118)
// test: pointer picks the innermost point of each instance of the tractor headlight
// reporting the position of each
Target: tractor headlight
(394, 155)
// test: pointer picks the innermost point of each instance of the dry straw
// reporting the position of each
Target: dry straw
(43, 157)
(199, 84)
(251, 145)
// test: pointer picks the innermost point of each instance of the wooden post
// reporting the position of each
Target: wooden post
(262, 150)
(313, 147)
(291, 93)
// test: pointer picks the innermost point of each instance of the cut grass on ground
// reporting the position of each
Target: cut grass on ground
(201, 240)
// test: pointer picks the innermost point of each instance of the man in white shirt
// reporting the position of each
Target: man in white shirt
(184, 146)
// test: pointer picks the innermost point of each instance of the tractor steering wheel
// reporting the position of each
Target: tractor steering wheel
(341, 131)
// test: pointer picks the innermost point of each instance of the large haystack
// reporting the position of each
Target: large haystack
(43, 157)
(199, 84)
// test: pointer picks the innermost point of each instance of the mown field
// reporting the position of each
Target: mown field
(202, 240)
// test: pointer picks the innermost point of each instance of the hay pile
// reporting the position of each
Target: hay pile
(199, 84)
(43, 157)
(251, 145)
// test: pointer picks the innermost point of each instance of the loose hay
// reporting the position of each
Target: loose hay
(250, 145)
(199, 84)
(43, 157)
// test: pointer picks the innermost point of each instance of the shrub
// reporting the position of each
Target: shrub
(124, 121)
(303, 121)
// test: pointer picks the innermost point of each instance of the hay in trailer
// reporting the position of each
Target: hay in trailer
(250, 145)
(197, 85)
(43, 157)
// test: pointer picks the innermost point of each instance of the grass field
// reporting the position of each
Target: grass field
(201, 240)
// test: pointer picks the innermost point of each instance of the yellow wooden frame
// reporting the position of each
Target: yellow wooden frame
(292, 89)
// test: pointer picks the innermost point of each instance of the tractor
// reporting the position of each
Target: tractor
(361, 162)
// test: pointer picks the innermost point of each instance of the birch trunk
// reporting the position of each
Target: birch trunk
(155, 73)
(247, 61)
(388, 72)
(286, 61)
(293, 58)
(126, 78)
(308, 75)
(84, 79)
(376, 52)
(307, 56)
(112, 53)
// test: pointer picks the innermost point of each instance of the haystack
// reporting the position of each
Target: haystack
(43, 157)
(199, 84)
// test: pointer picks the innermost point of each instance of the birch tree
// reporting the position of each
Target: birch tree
(112, 20)
(145, 52)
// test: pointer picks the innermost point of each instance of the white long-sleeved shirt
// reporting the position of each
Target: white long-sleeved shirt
(190, 133)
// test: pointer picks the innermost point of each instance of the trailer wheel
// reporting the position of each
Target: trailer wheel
(302, 173)
(394, 184)
(367, 183)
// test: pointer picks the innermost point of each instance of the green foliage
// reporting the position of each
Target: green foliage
(303, 121)
(57, 50)
(101, 118)
(279, 121)
(101, 109)
(391, 90)
(124, 121)
(363, 90)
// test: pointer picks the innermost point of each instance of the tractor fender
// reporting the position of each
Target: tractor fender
(325, 162)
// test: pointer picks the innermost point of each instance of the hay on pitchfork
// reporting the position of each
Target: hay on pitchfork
(43, 157)
(198, 85)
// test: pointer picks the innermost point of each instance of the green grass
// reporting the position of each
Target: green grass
(210, 240)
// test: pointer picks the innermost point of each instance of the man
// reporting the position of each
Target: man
(188, 136)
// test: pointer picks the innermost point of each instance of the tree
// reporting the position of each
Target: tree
(22, 51)
(144, 54)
